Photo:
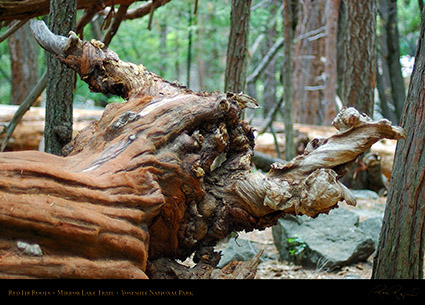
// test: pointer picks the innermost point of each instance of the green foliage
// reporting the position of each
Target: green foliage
(409, 21)
(5, 86)
(296, 246)
(164, 48)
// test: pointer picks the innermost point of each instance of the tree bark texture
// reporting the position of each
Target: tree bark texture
(269, 74)
(158, 177)
(308, 67)
(357, 54)
(401, 244)
(331, 13)
(390, 56)
(290, 21)
(60, 82)
(237, 49)
(24, 63)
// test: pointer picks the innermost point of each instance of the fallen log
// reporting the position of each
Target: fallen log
(29, 132)
(161, 176)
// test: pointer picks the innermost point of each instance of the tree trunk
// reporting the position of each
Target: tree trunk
(357, 54)
(290, 19)
(400, 251)
(391, 54)
(237, 48)
(309, 47)
(330, 107)
(24, 64)
(163, 175)
(269, 75)
(29, 132)
(384, 88)
(189, 47)
(60, 82)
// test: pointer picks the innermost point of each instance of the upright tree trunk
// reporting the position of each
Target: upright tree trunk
(189, 48)
(60, 81)
(308, 51)
(269, 75)
(290, 19)
(390, 52)
(357, 54)
(331, 13)
(400, 251)
(24, 63)
(237, 48)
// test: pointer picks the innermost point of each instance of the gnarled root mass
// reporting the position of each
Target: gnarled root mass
(163, 175)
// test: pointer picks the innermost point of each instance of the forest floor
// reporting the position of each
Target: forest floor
(273, 268)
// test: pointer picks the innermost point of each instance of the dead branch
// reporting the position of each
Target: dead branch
(20, 10)
(12, 29)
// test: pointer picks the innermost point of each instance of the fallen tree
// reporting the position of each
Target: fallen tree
(161, 176)
(29, 132)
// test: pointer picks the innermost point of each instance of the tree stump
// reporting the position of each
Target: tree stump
(161, 176)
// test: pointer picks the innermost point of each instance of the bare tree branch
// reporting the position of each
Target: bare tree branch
(265, 61)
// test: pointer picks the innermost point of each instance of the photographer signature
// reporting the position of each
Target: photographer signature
(396, 291)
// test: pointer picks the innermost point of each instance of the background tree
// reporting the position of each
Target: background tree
(357, 54)
(309, 46)
(237, 60)
(60, 81)
(400, 251)
(290, 19)
(330, 107)
(269, 76)
(390, 79)
(24, 63)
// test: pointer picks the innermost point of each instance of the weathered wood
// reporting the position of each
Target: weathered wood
(165, 174)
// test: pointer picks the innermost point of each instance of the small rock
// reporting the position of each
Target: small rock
(29, 249)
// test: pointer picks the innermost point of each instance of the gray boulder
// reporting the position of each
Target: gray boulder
(372, 226)
(328, 241)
